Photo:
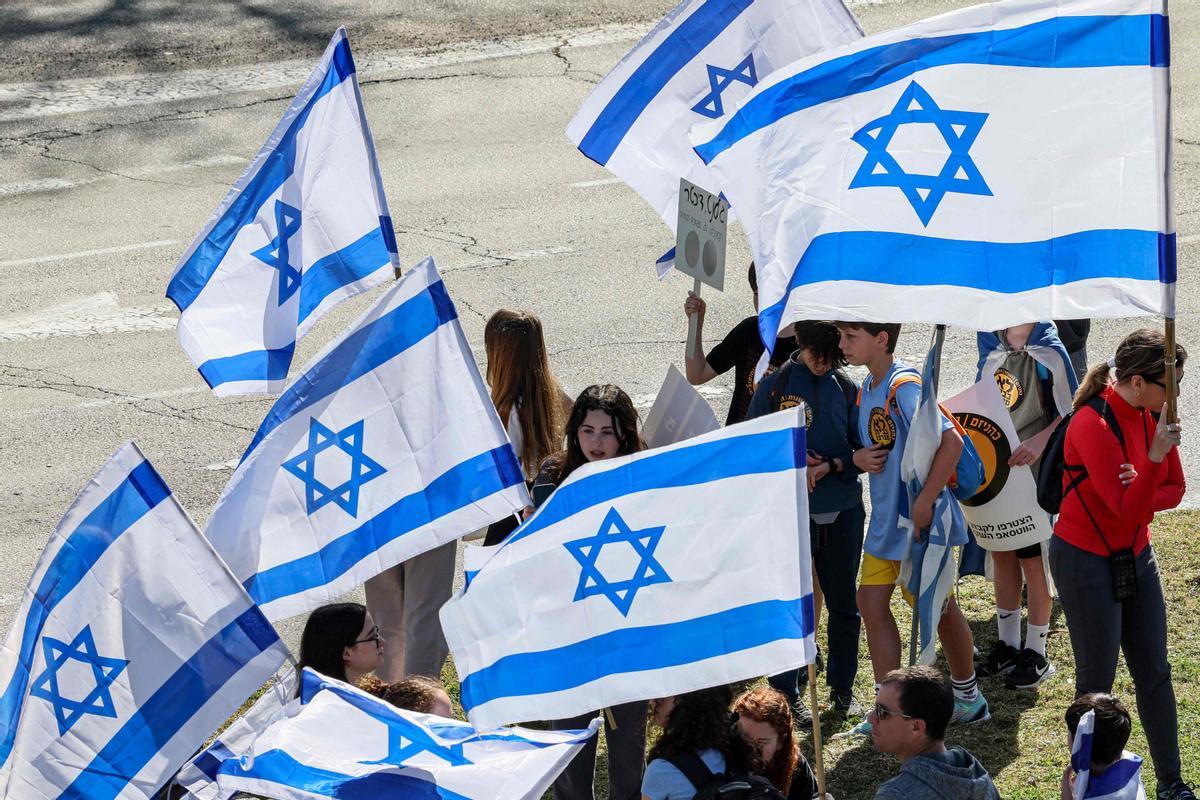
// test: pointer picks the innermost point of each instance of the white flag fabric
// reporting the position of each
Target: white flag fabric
(1121, 781)
(198, 778)
(336, 741)
(929, 570)
(132, 644)
(1003, 163)
(387, 446)
(305, 227)
(695, 65)
(644, 576)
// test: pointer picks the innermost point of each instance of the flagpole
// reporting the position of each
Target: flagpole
(939, 338)
(818, 747)
(1169, 226)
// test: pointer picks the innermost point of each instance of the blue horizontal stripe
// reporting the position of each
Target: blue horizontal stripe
(727, 457)
(191, 278)
(1057, 43)
(1115, 778)
(641, 649)
(460, 486)
(141, 491)
(173, 704)
(255, 365)
(673, 54)
(364, 350)
(349, 265)
(1005, 267)
(280, 768)
(211, 759)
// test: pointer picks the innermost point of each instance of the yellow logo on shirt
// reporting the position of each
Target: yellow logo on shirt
(881, 427)
(1010, 388)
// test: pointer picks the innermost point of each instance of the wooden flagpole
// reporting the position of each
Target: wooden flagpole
(818, 748)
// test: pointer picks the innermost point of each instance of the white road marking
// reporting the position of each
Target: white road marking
(58, 184)
(599, 182)
(104, 251)
(105, 403)
(221, 466)
(87, 316)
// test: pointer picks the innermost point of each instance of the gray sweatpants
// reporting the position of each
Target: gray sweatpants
(1100, 626)
(404, 601)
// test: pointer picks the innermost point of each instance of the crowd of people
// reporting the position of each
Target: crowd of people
(1121, 464)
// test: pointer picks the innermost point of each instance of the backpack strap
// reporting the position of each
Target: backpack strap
(693, 768)
(849, 391)
(1079, 471)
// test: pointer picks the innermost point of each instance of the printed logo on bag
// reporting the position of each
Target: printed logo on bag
(994, 450)
(1010, 388)
(881, 428)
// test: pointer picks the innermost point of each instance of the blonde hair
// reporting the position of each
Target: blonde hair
(1142, 352)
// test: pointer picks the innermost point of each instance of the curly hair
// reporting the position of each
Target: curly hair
(701, 721)
(764, 704)
(414, 693)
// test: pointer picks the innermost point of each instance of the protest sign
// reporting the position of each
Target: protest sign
(678, 413)
(1004, 513)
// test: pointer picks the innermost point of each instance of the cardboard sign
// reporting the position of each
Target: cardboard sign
(1004, 514)
(700, 235)
(678, 413)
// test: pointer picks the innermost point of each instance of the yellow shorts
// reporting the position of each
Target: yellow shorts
(882, 572)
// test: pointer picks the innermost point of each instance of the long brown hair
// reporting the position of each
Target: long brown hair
(1142, 352)
(518, 371)
(613, 401)
(764, 704)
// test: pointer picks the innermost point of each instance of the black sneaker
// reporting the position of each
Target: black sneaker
(801, 716)
(1030, 671)
(845, 703)
(1176, 791)
(1000, 660)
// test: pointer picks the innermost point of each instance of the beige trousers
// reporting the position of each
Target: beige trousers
(404, 601)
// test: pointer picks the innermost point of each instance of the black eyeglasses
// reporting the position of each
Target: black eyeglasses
(375, 637)
(882, 712)
(1178, 381)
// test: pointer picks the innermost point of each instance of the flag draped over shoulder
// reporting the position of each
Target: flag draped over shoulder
(1121, 781)
(132, 644)
(928, 571)
(694, 66)
(643, 576)
(990, 166)
(305, 227)
(1046, 348)
(387, 446)
(337, 741)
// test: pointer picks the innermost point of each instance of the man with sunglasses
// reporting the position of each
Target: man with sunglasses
(912, 710)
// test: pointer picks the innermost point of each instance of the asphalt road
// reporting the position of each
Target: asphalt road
(123, 124)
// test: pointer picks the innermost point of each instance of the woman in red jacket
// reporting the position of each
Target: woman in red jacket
(1101, 556)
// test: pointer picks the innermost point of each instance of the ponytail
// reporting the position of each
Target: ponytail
(1094, 382)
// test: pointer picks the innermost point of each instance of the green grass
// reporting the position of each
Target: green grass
(1024, 746)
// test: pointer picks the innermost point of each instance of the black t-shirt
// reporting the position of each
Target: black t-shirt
(740, 350)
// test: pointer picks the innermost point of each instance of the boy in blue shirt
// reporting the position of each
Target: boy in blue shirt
(887, 403)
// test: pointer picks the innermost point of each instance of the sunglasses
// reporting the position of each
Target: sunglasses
(374, 636)
(882, 712)
(1178, 381)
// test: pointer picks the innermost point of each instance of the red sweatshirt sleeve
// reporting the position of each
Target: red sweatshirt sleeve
(1101, 454)
(1170, 491)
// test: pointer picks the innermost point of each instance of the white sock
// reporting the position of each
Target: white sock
(1009, 625)
(1035, 638)
(966, 690)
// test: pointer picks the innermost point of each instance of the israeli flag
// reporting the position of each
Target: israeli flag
(695, 65)
(336, 741)
(1046, 349)
(928, 571)
(132, 644)
(387, 446)
(1121, 781)
(305, 227)
(995, 165)
(645, 576)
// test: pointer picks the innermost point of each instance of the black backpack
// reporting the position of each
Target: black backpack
(1050, 489)
(720, 786)
(849, 390)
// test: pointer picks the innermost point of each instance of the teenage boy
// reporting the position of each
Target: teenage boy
(888, 400)
(740, 351)
(911, 712)
(1108, 769)
(836, 514)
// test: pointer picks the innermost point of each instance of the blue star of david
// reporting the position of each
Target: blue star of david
(959, 174)
(718, 80)
(406, 739)
(275, 254)
(647, 572)
(362, 468)
(98, 701)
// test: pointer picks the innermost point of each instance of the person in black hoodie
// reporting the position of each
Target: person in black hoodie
(812, 376)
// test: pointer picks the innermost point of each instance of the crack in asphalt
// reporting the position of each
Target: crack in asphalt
(615, 343)
(468, 244)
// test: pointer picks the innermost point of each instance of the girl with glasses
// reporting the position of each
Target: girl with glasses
(341, 641)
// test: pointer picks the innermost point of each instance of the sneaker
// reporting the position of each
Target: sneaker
(1000, 660)
(1176, 791)
(1031, 670)
(969, 712)
(801, 716)
(862, 729)
(844, 703)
